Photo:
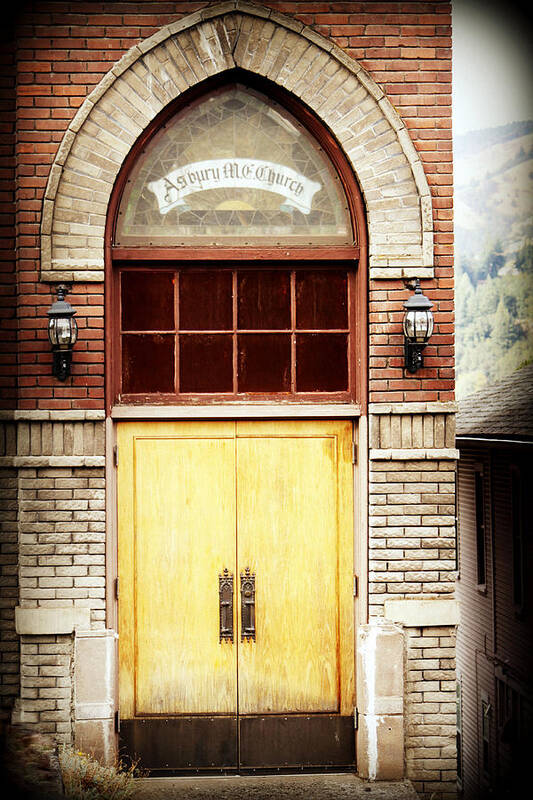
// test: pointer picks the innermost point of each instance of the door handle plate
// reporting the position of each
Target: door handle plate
(225, 606)
(247, 605)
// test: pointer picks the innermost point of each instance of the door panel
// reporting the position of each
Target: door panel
(182, 496)
(287, 533)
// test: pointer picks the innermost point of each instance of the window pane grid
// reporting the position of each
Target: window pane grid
(239, 361)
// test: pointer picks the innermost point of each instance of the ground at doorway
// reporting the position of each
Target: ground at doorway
(273, 787)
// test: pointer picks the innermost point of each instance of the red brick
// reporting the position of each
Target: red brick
(63, 53)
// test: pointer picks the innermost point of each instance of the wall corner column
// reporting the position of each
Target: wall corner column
(380, 700)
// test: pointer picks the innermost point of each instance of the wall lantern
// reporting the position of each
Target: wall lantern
(417, 327)
(62, 333)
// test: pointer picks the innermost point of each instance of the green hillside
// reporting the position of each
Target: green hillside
(493, 253)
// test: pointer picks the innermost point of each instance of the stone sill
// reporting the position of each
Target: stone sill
(42, 415)
(48, 621)
(238, 411)
(36, 462)
(422, 613)
(414, 454)
(413, 408)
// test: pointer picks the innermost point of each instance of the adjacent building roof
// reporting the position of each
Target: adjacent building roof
(501, 411)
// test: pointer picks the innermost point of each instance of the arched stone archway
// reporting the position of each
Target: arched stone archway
(208, 42)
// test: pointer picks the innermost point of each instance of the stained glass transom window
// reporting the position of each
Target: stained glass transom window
(234, 166)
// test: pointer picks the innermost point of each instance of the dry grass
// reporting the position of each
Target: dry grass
(84, 778)
(31, 768)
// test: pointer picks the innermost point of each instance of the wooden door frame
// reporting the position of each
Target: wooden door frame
(360, 507)
(357, 412)
(331, 724)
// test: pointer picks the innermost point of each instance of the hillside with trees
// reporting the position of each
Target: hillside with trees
(494, 253)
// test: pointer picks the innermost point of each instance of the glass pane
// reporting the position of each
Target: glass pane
(206, 363)
(205, 300)
(264, 300)
(321, 299)
(147, 301)
(147, 363)
(233, 165)
(321, 362)
(264, 362)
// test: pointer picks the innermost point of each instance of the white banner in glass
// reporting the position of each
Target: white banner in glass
(238, 173)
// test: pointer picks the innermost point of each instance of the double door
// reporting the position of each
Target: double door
(236, 642)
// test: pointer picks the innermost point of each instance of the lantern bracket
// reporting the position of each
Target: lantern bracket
(413, 356)
(417, 325)
(62, 332)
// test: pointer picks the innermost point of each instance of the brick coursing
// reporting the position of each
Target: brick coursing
(46, 686)
(430, 712)
(62, 539)
(60, 438)
(412, 530)
(52, 555)
(8, 274)
(9, 644)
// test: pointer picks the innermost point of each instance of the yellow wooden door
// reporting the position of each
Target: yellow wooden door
(295, 532)
(176, 494)
(195, 498)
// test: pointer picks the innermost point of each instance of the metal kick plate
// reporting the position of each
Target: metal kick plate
(181, 744)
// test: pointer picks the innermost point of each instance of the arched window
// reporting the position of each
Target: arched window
(233, 167)
(236, 232)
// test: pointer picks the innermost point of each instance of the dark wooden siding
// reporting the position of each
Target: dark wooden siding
(495, 636)
(513, 622)
(475, 639)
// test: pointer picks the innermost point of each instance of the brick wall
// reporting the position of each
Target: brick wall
(9, 644)
(430, 712)
(62, 539)
(62, 564)
(38, 388)
(412, 555)
(387, 380)
(46, 691)
(8, 283)
(52, 556)
(63, 52)
(412, 530)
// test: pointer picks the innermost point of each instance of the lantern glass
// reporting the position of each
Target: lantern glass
(62, 332)
(74, 330)
(418, 326)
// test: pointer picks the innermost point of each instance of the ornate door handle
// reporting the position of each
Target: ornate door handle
(225, 606)
(247, 605)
